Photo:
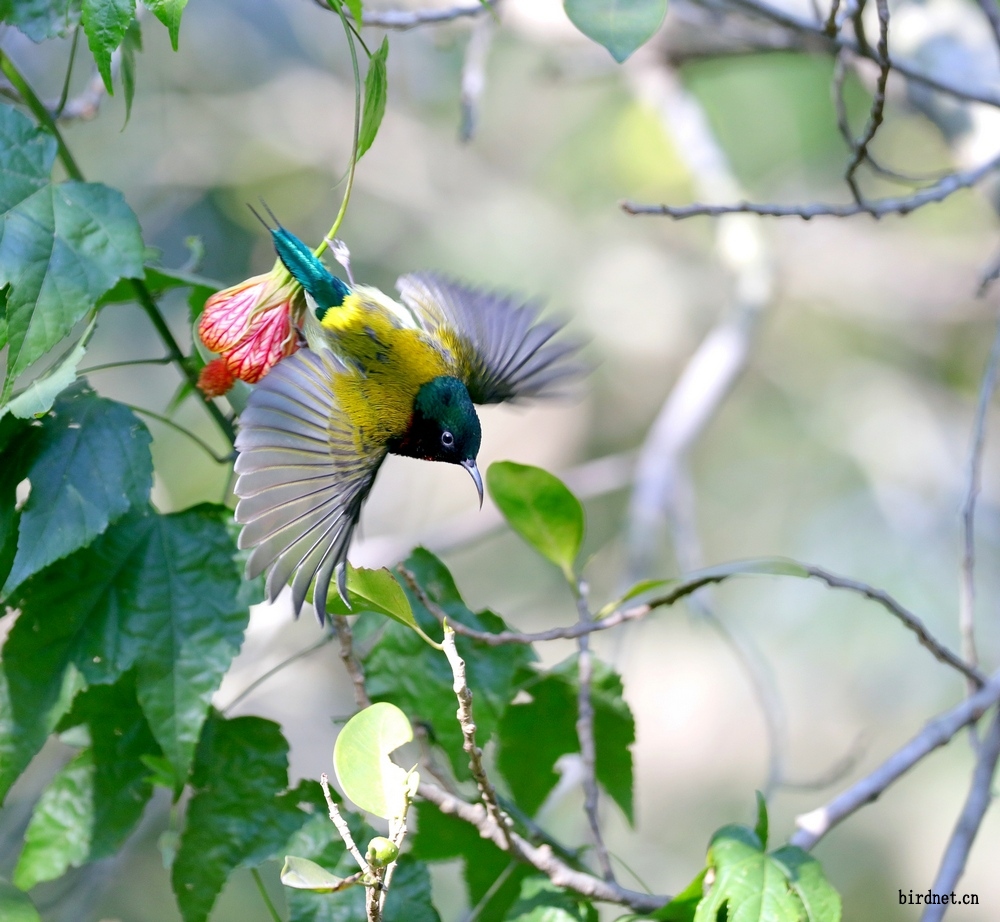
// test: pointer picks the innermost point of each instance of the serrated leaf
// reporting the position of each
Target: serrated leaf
(90, 463)
(749, 886)
(402, 668)
(541, 509)
(684, 905)
(105, 23)
(58, 836)
(61, 246)
(169, 13)
(37, 398)
(155, 593)
(376, 88)
(16, 906)
(621, 26)
(303, 874)
(240, 813)
(361, 759)
(542, 901)
(442, 837)
(527, 758)
(42, 19)
(805, 876)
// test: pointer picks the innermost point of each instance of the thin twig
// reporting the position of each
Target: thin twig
(465, 719)
(167, 421)
(411, 19)
(272, 910)
(540, 857)
(956, 854)
(477, 53)
(814, 825)
(877, 110)
(351, 662)
(585, 732)
(877, 208)
(830, 25)
(967, 581)
(338, 820)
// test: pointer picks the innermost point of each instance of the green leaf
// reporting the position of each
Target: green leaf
(376, 87)
(402, 668)
(131, 45)
(240, 813)
(169, 13)
(540, 508)
(375, 591)
(16, 906)
(41, 19)
(361, 759)
(61, 246)
(760, 829)
(155, 593)
(355, 7)
(409, 899)
(805, 876)
(542, 901)
(58, 836)
(90, 463)
(749, 884)
(303, 874)
(158, 282)
(37, 398)
(106, 22)
(621, 26)
(683, 906)
(441, 837)
(526, 757)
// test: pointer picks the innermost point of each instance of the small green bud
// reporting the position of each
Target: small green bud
(381, 852)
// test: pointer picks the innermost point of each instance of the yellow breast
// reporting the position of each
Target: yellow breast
(389, 360)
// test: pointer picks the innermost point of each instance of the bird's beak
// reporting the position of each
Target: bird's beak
(470, 466)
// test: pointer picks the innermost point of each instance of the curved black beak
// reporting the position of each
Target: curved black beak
(470, 465)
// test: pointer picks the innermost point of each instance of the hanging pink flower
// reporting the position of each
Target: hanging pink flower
(250, 325)
(216, 379)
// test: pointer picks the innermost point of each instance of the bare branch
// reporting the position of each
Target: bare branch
(967, 581)
(876, 113)
(877, 208)
(976, 804)
(401, 20)
(342, 827)
(351, 663)
(585, 733)
(816, 824)
(540, 857)
(474, 74)
(468, 725)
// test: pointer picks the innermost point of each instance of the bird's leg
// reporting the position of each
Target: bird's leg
(342, 255)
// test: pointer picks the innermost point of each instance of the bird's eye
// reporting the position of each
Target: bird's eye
(447, 439)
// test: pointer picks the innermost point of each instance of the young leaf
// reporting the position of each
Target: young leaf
(621, 26)
(63, 245)
(15, 906)
(378, 591)
(542, 901)
(805, 876)
(402, 668)
(169, 13)
(106, 22)
(540, 508)
(355, 7)
(526, 757)
(684, 905)
(239, 814)
(303, 874)
(361, 759)
(131, 45)
(760, 830)
(89, 463)
(375, 96)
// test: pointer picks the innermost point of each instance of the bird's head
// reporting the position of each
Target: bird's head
(444, 427)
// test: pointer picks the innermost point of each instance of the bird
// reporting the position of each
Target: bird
(375, 377)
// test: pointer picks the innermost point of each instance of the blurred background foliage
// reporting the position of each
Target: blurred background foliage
(844, 444)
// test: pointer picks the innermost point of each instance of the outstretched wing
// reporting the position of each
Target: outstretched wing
(301, 481)
(502, 350)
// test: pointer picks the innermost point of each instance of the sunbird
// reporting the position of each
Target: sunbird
(376, 377)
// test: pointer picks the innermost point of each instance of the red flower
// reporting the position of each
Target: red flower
(215, 378)
(250, 324)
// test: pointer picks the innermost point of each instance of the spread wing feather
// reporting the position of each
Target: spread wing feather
(301, 479)
(504, 352)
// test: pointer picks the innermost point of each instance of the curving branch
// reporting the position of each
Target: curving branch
(814, 825)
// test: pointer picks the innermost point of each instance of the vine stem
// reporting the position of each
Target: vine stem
(142, 293)
(325, 242)
(265, 896)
